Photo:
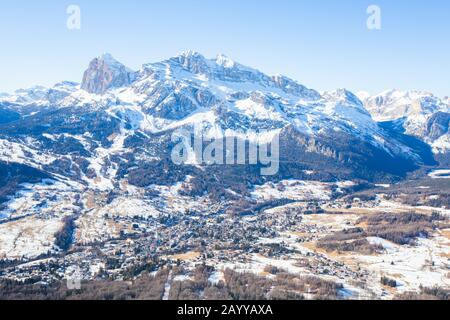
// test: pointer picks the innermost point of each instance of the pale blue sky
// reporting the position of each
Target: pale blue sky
(323, 44)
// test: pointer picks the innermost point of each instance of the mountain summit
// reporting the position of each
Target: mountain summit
(105, 73)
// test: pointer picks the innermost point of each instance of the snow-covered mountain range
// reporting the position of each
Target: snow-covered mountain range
(421, 114)
(117, 122)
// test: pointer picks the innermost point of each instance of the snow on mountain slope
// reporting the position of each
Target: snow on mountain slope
(422, 114)
(395, 104)
(189, 85)
(219, 94)
(23, 96)
(40, 237)
(36, 98)
(190, 88)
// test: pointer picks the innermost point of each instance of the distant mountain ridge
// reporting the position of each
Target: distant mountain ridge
(421, 114)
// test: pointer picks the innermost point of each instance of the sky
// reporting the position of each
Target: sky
(323, 44)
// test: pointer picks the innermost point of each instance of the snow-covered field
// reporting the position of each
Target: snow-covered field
(294, 190)
(12, 152)
(440, 174)
(130, 207)
(41, 207)
(92, 227)
(27, 238)
(426, 264)
(48, 198)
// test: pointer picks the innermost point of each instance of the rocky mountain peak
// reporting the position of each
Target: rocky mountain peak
(193, 62)
(343, 95)
(225, 61)
(104, 73)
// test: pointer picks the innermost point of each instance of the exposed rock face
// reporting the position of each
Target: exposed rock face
(419, 114)
(394, 104)
(292, 87)
(438, 125)
(105, 73)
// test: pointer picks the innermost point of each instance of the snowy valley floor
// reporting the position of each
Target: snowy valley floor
(310, 240)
